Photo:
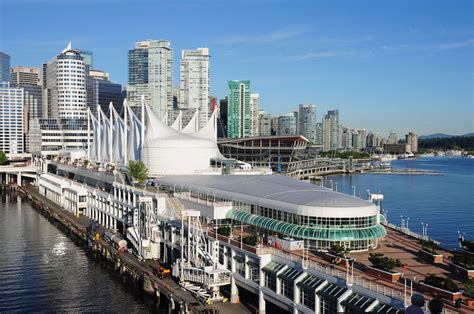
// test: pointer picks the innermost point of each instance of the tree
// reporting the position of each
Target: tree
(441, 282)
(384, 263)
(137, 171)
(339, 250)
(429, 246)
(3, 158)
(224, 230)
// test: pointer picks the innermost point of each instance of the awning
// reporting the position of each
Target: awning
(273, 267)
(386, 309)
(357, 302)
(290, 274)
(252, 263)
(310, 283)
(239, 258)
(304, 232)
(331, 291)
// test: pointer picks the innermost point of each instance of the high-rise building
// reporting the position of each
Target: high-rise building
(274, 125)
(28, 78)
(254, 104)
(373, 140)
(11, 119)
(88, 58)
(238, 109)
(21, 75)
(307, 121)
(150, 73)
(222, 118)
(287, 124)
(412, 140)
(346, 137)
(64, 86)
(264, 123)
(194, 82)
(103, 92)
(319, 133)
(4, 67)
(392, 138)
(331, 134)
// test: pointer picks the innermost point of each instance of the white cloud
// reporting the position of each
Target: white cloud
(430, 48)
(274, 36)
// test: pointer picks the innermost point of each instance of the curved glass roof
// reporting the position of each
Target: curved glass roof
(310, 233)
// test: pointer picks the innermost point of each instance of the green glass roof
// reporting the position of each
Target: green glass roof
(382, 218)
(290, 274)
(239, 258)
(273, 267)
(310, 283)
(303, 232)
(386, 309)
(357, 302)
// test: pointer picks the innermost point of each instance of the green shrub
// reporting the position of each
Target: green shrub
(468, 245)
(378, 260)
(463, 259)
(339, 250)
(429, 245)
(441, 282)
(224, 230)
(250, 240)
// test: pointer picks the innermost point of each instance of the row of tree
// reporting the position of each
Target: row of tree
(455, 142)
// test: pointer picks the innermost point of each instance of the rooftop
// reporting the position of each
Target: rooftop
(277, 192)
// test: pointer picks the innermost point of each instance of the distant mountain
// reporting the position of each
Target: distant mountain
(436, 135)
(442, 135)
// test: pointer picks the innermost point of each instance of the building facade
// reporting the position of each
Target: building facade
(64, 86)
(412, 140)
(254, 105)
(11, 119)
(331, 134)
(195, 82)
(4, 67)
(307, 121)
(150, 73)
(238, 109)
(287, 124)
(264, 123)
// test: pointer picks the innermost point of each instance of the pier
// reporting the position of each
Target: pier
(164, 290)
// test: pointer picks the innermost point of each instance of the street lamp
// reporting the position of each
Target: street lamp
(354, 190)
(335, 185)
(332, 186)
(407, 220)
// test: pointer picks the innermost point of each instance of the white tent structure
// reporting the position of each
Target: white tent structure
(165, 150)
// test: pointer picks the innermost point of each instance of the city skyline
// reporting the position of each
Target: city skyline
(410, 74)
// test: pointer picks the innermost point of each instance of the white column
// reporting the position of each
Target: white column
(261, 302)
(125, 144)
(18, 179)
(234, 292)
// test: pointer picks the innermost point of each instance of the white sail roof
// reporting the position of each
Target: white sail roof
(192, 126)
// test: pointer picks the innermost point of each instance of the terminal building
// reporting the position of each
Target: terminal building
(177, 217)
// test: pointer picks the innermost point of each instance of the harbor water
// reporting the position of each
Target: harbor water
(445, 202)
(43, 270)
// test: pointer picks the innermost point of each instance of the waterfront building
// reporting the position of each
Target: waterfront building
(11, 119)
(287, 124)
(412, 140)
(307, 121)
(150, 73)
(238, 109)
(275, 152)
(331, 136)
(254, 105)
(361, 139)
(64, 86)
(4, 67)
(195, 82)
(264, 123)
(28, 78)
(392, 138)
(51, 137)
(373, 140)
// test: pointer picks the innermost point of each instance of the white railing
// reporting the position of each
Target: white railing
(407, 231)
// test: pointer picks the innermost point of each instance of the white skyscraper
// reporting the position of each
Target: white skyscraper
(11, 119)
(64, 87)
(254, 104)
(150, 73)
(194, 82)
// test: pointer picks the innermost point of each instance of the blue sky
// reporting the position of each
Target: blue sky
(386, 65)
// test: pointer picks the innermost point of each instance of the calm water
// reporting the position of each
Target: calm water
(41, 269)
(445, 202)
